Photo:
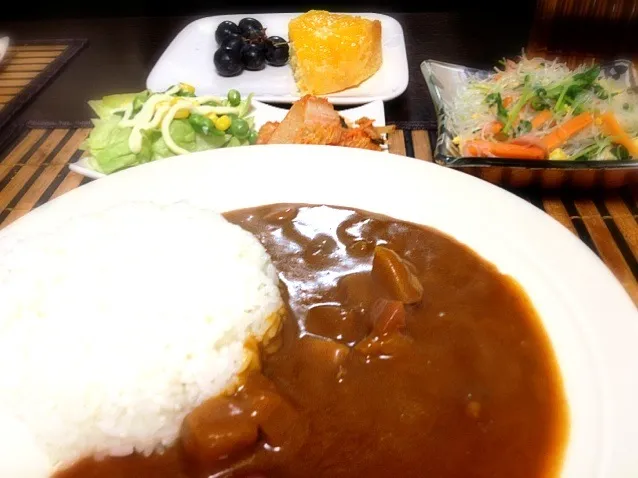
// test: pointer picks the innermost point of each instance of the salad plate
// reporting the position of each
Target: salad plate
(189, 58)
(261, 114)
(444, 81)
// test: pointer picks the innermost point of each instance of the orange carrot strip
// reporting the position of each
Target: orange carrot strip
(494, 127)
(486, 149)
(507, 101)
(562, 133)
(541, 118)
(611, 127)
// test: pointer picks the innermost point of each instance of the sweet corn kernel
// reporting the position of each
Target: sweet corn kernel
(598, 121)
(182, 114)
(213, 117)
(222, 123)
(186, 87)
(558, 153)
(456, 140)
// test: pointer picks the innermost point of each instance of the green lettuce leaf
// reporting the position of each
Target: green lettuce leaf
(183, 134)
(234, 142)
(160, 149)
(108, 145)
(206, 142)
(104, 108)
(99, 136)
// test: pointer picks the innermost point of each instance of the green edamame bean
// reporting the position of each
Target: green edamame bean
(203, 125)
(239, 128)
(234, 98)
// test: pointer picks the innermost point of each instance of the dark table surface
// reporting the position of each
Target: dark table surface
(122, 51)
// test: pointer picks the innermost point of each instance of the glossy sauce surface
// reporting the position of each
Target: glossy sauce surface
(404, 354)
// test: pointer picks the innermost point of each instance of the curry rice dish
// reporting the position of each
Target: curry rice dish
(401, 353)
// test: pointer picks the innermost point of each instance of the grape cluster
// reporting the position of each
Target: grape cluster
(246, 47)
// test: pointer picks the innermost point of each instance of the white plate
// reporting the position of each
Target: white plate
(4, 46)
(189, 59)
(592, 323)
(262, 114)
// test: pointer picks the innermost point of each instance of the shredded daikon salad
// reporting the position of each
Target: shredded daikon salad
(540, 109)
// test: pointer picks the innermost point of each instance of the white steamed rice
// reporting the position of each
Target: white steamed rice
(115, 325)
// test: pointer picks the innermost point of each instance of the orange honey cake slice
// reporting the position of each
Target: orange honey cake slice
(331, 52)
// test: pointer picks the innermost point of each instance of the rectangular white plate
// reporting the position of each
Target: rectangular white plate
(262, 114)
(189, 59)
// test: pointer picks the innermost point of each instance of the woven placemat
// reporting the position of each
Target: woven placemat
(34, 160)
(28, 67)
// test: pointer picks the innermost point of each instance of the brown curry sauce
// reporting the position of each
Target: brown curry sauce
(403, 354)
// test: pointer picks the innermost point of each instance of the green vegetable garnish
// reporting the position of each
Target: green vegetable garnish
(516, 109)
(592, 151)
(561, 98)
(539, 101)
(566, 92)
(600, 92)
(538, 104)
(585, 154)
(579, 104)
(620, 152)
(587, 77)
(524, 126)
(494, 99)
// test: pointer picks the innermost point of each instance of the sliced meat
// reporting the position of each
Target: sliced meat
(266, 132)
(309, 111)
(319, 134)
(387, 316)
(358, 138)
(313, 120)
(336, 323)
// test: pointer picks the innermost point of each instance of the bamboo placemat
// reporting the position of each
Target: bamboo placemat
(28, 67)
(34, 169)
